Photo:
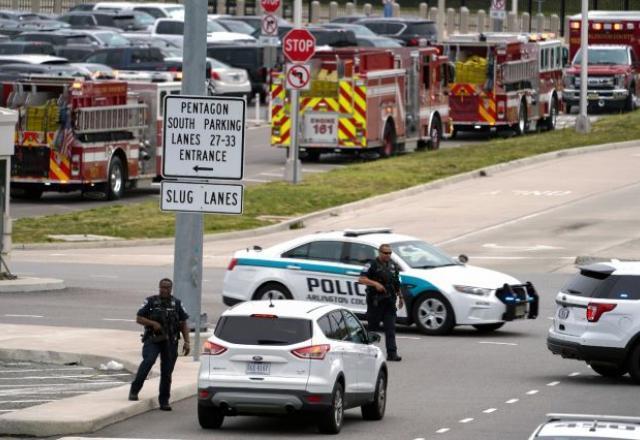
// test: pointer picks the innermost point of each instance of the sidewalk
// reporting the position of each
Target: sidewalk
(92, 411)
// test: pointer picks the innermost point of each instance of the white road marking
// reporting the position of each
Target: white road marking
(537, 247)
(512, 401)
(470, 419)
(531, 392)
(7, 410)
(550, 317)
(86, 376)
(497, 343)
(574, 374)
(497, 257)
(489, 410)
(553, 384)
(409, 337)
(442, 430)
(119, 319)
(46, 369)
(25, 316)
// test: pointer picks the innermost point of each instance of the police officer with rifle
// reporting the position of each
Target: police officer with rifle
(163, 318)
(382, 278)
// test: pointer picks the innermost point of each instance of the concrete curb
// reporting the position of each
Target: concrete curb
(289, 224)
(27, 284)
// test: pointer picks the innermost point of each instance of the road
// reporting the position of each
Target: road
(530, 222)
(263, 164)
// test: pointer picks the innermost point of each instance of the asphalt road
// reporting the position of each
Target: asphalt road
(263, 164)
(530, 222)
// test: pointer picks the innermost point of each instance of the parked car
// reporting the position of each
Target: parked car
(365, 37)
(239, 27)
(348, 18)
(129, 58)
(75, 52)
(333, 37)
(98, 71)
(100, 38)
(21, 15)
(11, 72)
(286, 357)
(82, 7)
(173, 30)
(32, 59)
(126, 21)
(24, 47)
(168, 47)
(156, 10)
(9, 27)
(585, 426)
(226, 80)
(41, 25)
(255, 21)
(411, 31)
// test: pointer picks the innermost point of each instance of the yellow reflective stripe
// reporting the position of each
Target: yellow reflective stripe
(360, 105)
(53, 166)
(333, 104)
(485, 115)
(345, 95)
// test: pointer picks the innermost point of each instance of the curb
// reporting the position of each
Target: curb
(27, 284)
(335, 210)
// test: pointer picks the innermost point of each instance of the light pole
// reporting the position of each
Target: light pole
(440, 20)
(583, 125)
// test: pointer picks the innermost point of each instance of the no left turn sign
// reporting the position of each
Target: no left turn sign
(298, 77)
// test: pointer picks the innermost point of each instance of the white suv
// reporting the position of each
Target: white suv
(597, 319)
(280, 357)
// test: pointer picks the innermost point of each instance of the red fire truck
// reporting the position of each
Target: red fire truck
(86, 135)
(385, 100)
(505, 81)
(614, 64)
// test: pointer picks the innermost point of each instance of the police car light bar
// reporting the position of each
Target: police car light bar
(591, 417)
(359, 232)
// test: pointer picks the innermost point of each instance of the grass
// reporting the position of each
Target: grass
(325, 190)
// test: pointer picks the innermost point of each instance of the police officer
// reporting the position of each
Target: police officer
(382, 278)
(163, 318)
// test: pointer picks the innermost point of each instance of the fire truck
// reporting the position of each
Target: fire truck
(505, 81)
(614, 64)
(384, 100)
(88, 135)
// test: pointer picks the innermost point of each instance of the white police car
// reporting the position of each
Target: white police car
(440, 292)
(283, 357)
(585, 426)
(597, 318)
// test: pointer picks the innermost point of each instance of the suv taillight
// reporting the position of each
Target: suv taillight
(213, 349)
(595, 310)
(312, 352)
(232, 263)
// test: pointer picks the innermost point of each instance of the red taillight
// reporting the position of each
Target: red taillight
(215, 75)
(203, 394)
(264, 315)
(413, 42)
(173, 69)
(595, 310)
(232, 263)
(312, 352)
(213, 349)
(314, 399)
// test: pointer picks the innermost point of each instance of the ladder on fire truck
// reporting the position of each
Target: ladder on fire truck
(111, 118)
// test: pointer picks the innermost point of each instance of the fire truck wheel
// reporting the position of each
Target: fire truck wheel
(388, 141)
(29, 193)
(435, 134)
(550, 121)
(521, 126)
(115, 185)
(310, 156)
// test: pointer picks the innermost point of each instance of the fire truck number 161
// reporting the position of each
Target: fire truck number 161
(323, 128)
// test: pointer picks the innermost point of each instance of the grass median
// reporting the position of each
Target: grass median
(266, 202)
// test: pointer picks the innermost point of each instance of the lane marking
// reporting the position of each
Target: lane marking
(7, 410)
(46, 369)
(25, 316)
(497, 343)
(119, 319)
(442, 430)
(512, 401)
(574, 374)
(531, 392)
(553, 384)
(550, 317)
(66, 385)
(467, 420)
(86, 376)
(409, 337)
(489, 410)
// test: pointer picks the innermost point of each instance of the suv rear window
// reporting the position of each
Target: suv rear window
(251, 330)
(600, 285)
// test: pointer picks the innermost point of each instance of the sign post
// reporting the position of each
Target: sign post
(298, 46)
(269, 24)
(498, 14)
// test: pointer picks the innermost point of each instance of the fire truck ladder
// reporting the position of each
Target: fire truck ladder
(111, 118)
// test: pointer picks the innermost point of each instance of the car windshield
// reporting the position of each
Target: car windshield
(112, 39)
(238, 26)
(175, 11)
(421, 255)
(214, 26)
(605, 56)
(260, 330)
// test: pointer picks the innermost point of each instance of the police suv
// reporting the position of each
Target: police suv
(597, 318)
(440, 292)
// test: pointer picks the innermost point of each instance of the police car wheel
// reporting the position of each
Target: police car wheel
(375, 410)
(608, 370)
(633, 363)
(488, 328)
(210, 417)
(331, 421)
(433, 314)
(273, 291)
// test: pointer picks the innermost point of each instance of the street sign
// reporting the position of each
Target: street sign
(201, 197)
(298, 77)
(203, 137)
(299, 45)
(270, 6)
(269, 25)
(498, 9)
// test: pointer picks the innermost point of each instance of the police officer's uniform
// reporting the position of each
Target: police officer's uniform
(381, 306)
(169, 312)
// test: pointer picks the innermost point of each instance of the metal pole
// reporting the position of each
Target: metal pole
(440, 20)
(292, 167)
(563, 13)
(187, 259)
(583, 124)
(514, 6)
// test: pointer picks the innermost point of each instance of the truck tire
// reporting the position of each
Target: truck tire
(116, 180)
(389, 147)
(521, 127)
(433, 314)
(435, 134)
(551, 120)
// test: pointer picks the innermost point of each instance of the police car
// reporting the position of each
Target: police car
(440, 292)
(585, 426)
(597, 318)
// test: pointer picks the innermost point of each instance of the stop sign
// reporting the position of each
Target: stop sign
(299, 45)
(270, 5)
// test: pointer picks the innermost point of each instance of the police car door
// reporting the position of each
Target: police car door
(318, 273)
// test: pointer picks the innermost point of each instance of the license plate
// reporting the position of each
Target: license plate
(262, 368)
(321, 128)
(563, 313)
(593, 96)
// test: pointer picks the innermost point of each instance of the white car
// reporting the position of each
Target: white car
(586, 426)
(173, 29)
(283, 357)
(597, 318)
(440, 292)
(225, 80)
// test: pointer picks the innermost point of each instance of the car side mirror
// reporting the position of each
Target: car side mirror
(463, 258)
(373, 337)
